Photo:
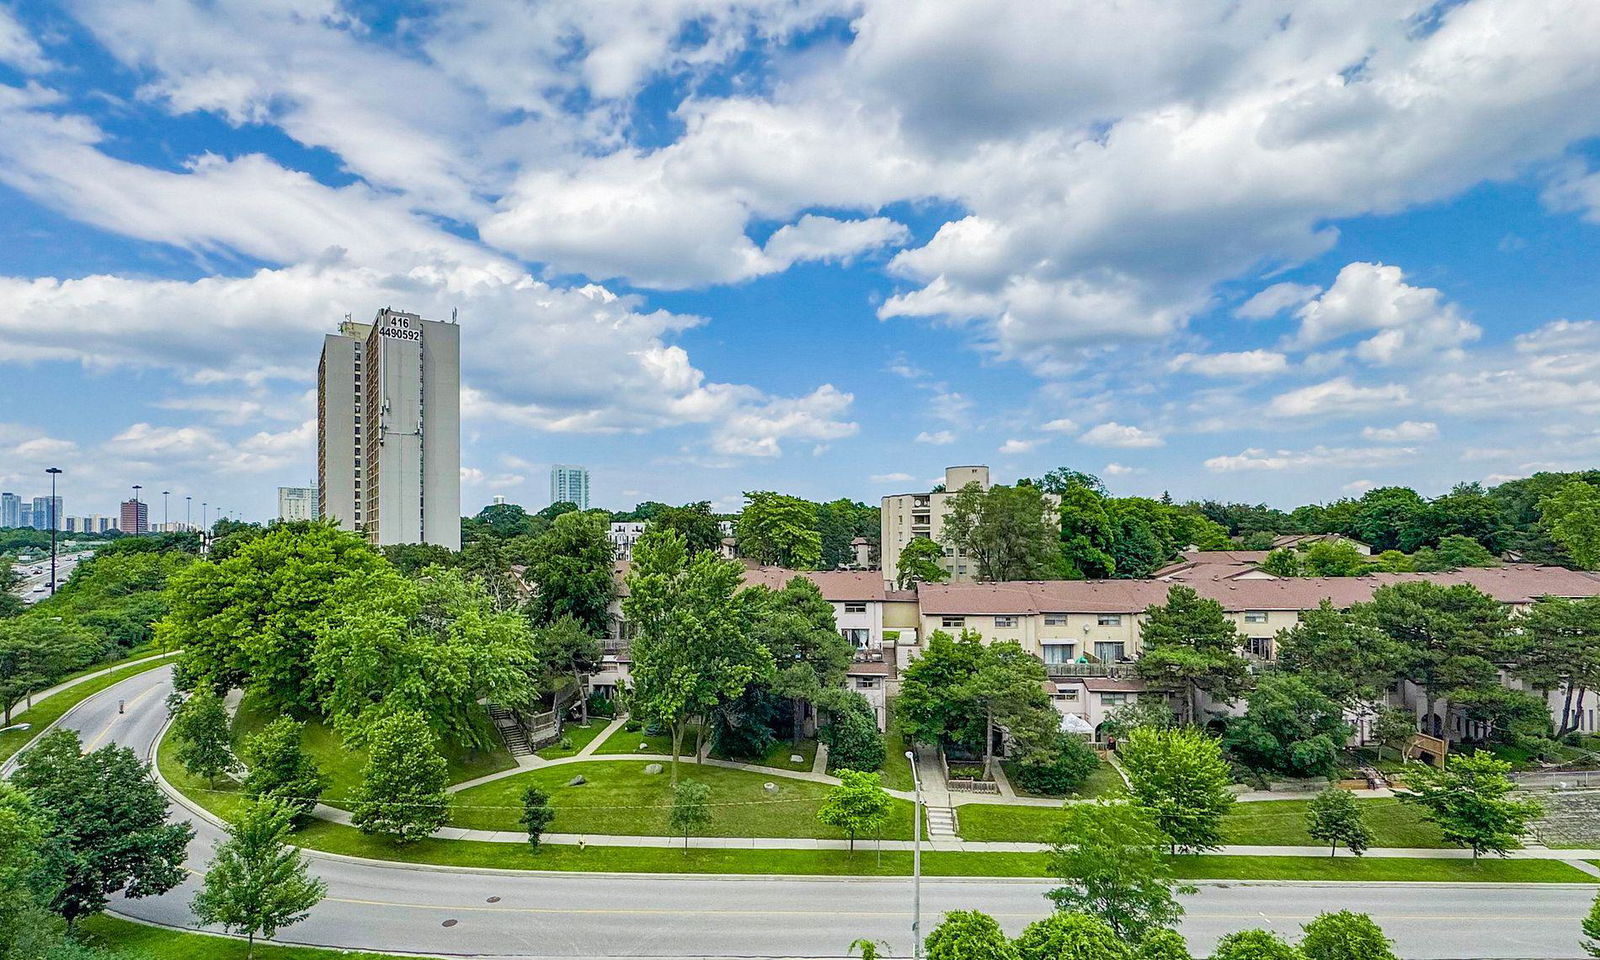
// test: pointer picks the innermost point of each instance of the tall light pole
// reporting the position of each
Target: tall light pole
(188, 515)
(916, 860)
(202, 516)
(136, 489)
(53, 471)
(165, 525)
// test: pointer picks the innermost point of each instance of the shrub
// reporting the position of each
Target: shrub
(1064, 766)
(852, 737)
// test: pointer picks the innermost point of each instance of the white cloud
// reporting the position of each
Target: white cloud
(890, 478)
(1248, 363)
(1337, 397)
(1061, 425)
(1015, 446)
(1275, 299)
(1113, 434)
(1414, 323)
(1408, 431)
(1115, 469)
(824, 238)
(1358, 487)
(18, 49)
(1256, 458)
(938, 438)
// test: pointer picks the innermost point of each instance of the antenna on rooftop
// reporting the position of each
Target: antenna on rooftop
(453, 311)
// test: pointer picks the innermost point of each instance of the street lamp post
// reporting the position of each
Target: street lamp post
(53, 471)
(916, 860)
(165, 524)
(136, 489)
(202, 516)
(188, 514)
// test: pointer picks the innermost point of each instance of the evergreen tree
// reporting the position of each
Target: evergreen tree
(1190, 647)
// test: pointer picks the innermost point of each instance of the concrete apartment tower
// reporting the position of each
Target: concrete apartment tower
(906, 516)
(569, 484)
(297, 503)
(389, 429)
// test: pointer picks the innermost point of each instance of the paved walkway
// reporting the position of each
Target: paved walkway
(601, 737)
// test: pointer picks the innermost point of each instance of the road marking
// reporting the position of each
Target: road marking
(107, 731)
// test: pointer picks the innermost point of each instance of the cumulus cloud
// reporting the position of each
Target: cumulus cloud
(1248, 363)
(1113, 434)
(1408, 431)
(1014, 446)
(1256, 458)
(1413, 323)
(1060, 425)
(1337, 397)
(1273, 300)
(890, 478)
(1115, 469)
(938, 438)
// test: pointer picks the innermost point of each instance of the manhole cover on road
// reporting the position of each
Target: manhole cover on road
(494, 900)
(448, 923)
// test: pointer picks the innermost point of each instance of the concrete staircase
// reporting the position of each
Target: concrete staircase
(942, 823)
(516, 739)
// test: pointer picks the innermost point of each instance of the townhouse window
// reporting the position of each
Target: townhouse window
(866, 683)
(1258, 647)
(855, 608)
(1058, 653)
(1113, 699)
(962, 568)
(1109, 650)
(1109, 619)
(1067, 696)
(1255, 616)
(1005, 622)
(859, 638)
(1055, 619)
(953, 623)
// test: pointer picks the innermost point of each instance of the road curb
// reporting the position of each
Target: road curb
(10, 763)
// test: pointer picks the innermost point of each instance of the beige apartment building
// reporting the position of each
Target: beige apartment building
(906, 516)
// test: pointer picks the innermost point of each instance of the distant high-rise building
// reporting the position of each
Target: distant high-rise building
(297, 503)
(42, 514)
(135, 517)
(74, 524)
(389, 429)
(25, 514)
(569, 484)
(10, 510)
(97, 523)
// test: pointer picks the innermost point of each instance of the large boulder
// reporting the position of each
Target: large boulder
(577, 781)
(652, 769)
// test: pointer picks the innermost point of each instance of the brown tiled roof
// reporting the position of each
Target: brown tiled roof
(837, 586)
(1515, 584)
(1105, 684)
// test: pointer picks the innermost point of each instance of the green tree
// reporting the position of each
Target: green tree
(1393, 727)
(1335, 818)
(1110, 859)
(797, 627)
(695, 522)
(566, 650)
(1164, 945)
(1345, 936)
(1071, 936)
(1010, 533)
(36, 651)
(691, 809)
(1456, 551)
(1383, 514)
(968, 935)
(780, 530)
(201, 729)
(1142, 712)
(1333, 558)
(1469, 802)
(435, 647)
(694, 646)
(1063, 765)
(1341, 653)
(1284, 562)
(402, 793)
(506, 520)
(257, 883)
(1591, 930)
(1450, 636)
(1571, 515)
(252, 618)
(281, 769)
(536, 814)
(1008, 690)
(1560, 650)
(27, 885)
(851, 733)
(919, 562)
(839, 522)
(1190, 647)
(1088, 534)
(110, 821)
(1289, 727)
(1181, 777)
(858, 804)
(571, 569)
(1254, 945)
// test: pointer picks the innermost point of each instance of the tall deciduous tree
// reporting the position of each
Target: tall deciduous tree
(694, 645)
(434, 647)
(695, 522)
(27, 883)
(567, 650)
(1334, 818)
(1289, 727)
(201, 729)
(1190, 647)
(258, 883)
(775, 528)
(1572, 517)
(252, 618)
(110, 823)
(571, 570)
(1010, 533)
(1181, 778)
(1008, 689)
(1111, 860)
(1088, 534)
(1469, 801)
(797, 627)
(34, 651)
(402, 794)
(858, 804)
(919, 562)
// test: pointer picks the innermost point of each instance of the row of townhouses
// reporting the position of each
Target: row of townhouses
(1087, 631)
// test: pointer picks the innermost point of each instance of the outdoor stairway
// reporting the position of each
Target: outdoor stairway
(941, 823)
(516, 739)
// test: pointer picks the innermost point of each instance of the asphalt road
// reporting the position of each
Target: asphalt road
(381, 907)
(33, 587)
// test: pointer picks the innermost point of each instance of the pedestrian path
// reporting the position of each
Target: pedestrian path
(593, 745)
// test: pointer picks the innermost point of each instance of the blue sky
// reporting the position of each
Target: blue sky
(1242, 249)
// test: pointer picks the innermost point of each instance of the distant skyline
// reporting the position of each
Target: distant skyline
(827, 247)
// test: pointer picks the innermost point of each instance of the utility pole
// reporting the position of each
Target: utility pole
(53, 471)
(916, 860)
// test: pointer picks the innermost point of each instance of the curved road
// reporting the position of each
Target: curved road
(392, 908)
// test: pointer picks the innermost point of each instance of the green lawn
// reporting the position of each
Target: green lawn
(620, 799)
(344, 764)
(1267, 822)
(1104, 782)
(896, 768)
(138, 941)
(49, 710)
(779, 753)
(573, 739)
(1377, 869)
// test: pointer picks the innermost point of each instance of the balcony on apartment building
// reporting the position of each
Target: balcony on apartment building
(1098, 669)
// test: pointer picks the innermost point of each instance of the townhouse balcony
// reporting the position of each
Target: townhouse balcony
(1091, 669)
